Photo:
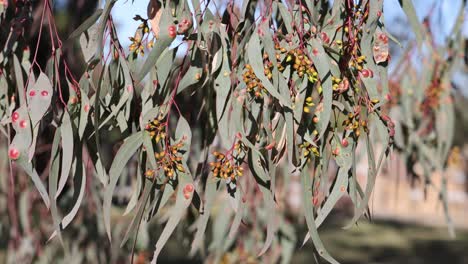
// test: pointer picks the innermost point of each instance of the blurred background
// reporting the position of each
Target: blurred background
(408, 223)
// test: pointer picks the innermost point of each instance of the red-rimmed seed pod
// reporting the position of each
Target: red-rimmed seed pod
(315, 200)
(366, 73)
(13, 153)
(344, 142)
(336, 152)
(188, 187)
(324, 37)
(14, 117)
(172, 31)
(73, 100)
(23, 124)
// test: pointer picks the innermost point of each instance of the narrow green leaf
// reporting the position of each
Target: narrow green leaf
(309, 215)
(182, 203)
(126, 151)
(53, 179)
(89, 42)
(202, 222)
(67, 151)
(80, 180)
(28, 168)
(84, 111)
(86, 24)
(19, 79)
(416, 26)
(139, 215)
(239, 213)
(183, 132)
(271, 216)
(102, 27)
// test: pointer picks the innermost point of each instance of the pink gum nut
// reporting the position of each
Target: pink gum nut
(13, 153)
(23, 124)
(14, 117)
(344, 142)
(188, 187)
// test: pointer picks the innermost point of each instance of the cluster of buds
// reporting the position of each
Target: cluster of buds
(353, 123)
(225, 167)
(170, 161)
(141, 37)
(357, 62)
(279, 50)
(358, 15)
(338, 43)
(254, 85)
(308, 103)
(137, 45)
(144, 26)
(150, 44)
(340, 85)
(302, 64)
(267, 67)
(308, 150)
(156, 128)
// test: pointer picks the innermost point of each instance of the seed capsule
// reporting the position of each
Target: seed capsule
(14, 117)
(336, 152)
(344, 142)
(172, 31)
(23, 124)
(73, 100)
(13, 153)
(180, 168)
(188, 187)
(149, 173)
